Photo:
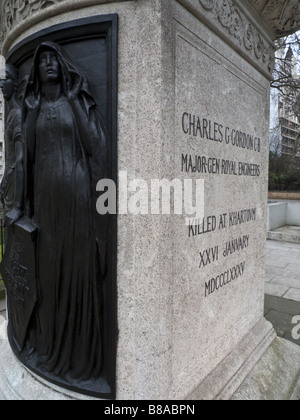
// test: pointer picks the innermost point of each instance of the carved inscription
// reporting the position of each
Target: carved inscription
(223, 279)
(60, 325)
(206, 129)
(199, 129)
(17, 276)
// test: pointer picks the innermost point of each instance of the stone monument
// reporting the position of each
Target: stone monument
(142, 302)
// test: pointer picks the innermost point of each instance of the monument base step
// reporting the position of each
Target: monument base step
(18, 384)
(261, 367)
(275, 377)
(285, 234)
(269, 372)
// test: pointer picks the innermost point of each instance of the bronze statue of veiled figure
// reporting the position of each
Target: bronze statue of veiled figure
(12, 186)
(64, 158)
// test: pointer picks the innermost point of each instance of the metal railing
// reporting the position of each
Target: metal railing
(2, 240)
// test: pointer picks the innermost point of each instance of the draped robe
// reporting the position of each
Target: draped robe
(63, 164)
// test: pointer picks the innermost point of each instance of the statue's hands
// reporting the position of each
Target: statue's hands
(32, 102)
(73, 91)
(14, 215)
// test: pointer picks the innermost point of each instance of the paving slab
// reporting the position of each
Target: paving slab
(282, 305)
(288, 280)
(282, 287)
(282, 322)
(276, 290)
(293, 294)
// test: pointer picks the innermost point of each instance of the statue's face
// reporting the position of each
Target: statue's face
(49, 67)
(7, 87)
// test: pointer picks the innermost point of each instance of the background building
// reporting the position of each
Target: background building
(290, 132)
(284, 120)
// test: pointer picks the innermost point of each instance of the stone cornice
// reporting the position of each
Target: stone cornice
(18, 15)
(14, 12)
(232, 17)
(282, 16)
(249, 38)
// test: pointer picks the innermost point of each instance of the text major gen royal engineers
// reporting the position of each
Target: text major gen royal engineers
(206, 129)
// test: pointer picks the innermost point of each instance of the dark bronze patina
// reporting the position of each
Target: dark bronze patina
(59, 252)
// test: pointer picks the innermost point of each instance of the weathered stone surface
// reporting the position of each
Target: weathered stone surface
(192, 104)
(275, 377)
(283, 16)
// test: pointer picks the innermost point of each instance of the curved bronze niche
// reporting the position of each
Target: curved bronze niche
(60, 257)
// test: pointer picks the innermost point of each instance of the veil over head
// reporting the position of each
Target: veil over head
(71, 75)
